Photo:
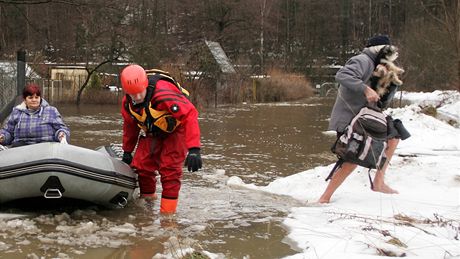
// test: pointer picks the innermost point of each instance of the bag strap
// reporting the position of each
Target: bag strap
(156, 74)
(370, 179)
(337, 165)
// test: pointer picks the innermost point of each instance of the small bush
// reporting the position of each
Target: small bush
(280, 87)
(95, 82)
(430, 110)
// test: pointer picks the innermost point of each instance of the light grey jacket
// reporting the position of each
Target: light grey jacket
(353, 78)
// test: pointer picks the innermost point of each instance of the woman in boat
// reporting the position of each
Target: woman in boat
(33, 121)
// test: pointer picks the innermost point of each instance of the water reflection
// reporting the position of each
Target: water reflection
(262, 142)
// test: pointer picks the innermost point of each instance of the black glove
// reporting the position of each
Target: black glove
(127, 157)
(193, 160)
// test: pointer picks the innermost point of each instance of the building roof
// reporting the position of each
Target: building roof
(221, 58)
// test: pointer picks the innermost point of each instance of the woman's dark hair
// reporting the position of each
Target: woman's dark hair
(30, 90)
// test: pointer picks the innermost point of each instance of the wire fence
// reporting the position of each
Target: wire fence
(54, 91)
(8, 90)
(51, 90)
(64, 89)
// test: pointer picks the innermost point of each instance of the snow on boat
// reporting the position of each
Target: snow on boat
(55, 170)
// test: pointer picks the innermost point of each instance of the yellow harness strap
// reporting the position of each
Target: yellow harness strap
(139, 118)
(162, 119)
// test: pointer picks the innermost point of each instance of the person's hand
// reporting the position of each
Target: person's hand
(61, 137)
(2, 137)
(127, 157)
(193, 160)
(371, 95)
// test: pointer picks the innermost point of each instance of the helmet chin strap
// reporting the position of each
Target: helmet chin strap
(135, 103)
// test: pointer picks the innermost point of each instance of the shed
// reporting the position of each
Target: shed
(76, 75)
(225, 66)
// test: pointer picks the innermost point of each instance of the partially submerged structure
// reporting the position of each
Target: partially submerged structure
(224, 65)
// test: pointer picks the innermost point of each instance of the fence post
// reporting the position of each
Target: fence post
(254, 90)
(218, 88)
(21, 71)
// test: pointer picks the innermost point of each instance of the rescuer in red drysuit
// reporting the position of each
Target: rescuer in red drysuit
(156, 105)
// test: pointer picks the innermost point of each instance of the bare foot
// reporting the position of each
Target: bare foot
(317, 204)
(323, 200)
(383, 188)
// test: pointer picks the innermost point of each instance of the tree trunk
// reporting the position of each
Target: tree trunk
(458, 74)
(90, 72)
(262, 20)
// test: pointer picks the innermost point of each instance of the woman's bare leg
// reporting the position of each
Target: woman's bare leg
(379, 181)
(337, 179)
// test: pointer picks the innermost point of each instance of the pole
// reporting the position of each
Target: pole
(218, 88)
(21, 71)
(254, 90)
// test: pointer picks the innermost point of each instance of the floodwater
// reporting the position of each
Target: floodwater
(256, 142)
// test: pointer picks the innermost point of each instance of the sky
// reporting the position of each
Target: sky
(422, 221)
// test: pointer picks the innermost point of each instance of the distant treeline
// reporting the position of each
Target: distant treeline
(288, 35)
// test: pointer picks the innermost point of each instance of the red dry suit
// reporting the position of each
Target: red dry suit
(159, 151)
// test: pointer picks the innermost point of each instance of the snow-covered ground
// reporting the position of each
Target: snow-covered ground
(422, 221)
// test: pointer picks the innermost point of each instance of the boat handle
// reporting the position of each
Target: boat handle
(53, 194)
(123, 202)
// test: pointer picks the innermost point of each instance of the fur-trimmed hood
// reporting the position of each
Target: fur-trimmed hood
(376, 49)
(23, 108)
(373, 52)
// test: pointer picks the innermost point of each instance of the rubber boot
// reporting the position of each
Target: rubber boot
(168, 206)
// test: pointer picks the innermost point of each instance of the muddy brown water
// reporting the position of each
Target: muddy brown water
(256, 142)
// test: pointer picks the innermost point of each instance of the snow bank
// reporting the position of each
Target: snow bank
(420, 222)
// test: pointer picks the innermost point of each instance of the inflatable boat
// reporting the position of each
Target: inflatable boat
(56, 170)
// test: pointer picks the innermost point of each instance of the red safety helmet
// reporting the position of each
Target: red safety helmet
(133, 79)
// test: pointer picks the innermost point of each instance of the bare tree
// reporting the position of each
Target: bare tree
(103, 40)
(265, 8)
(300, 35)
(91, 71)
(447, 14)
